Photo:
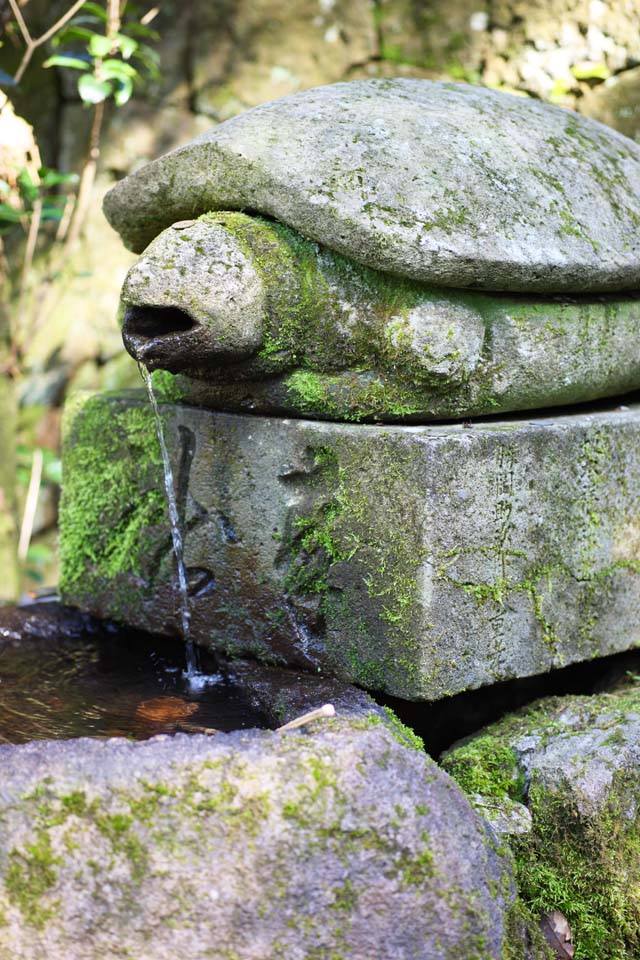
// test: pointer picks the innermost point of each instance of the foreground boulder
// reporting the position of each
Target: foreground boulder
(340, 843)
(561, 780)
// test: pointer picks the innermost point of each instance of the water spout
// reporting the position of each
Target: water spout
(191, 651)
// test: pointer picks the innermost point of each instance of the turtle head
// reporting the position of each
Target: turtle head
(194, 299)
(258, 317)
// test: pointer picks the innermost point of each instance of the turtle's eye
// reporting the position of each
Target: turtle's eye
(151, 322)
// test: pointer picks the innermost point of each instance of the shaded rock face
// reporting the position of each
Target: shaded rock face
(574, 762)
(445, 183)
(253, 846)
(274, 323)
(418, 560)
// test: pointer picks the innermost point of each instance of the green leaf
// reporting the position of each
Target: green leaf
(92, 90)
(150, 60)
(127, 45)
(124, 91)
(116, 68)
(72, 32)
(96, 9)
(52, 210)
(29, 191)
(141, 30)
(9, 214)
(53, 178)
(66, 60)
(100, 46)
(80, 20)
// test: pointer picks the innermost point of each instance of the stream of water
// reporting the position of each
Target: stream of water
(193, 671)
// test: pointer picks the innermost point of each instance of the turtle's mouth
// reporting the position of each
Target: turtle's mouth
(158, 336)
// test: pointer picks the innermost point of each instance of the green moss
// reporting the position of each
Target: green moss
(486, 766)
(30, 876)
(588, 868)
(167, 386)
(107, 508)
(403, 734)
(352, 397)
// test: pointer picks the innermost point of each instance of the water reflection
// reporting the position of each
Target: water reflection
(122, 684)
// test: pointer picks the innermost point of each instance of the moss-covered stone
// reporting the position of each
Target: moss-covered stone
(338, 842)
(464, 206)
(112, 496)
(417, 560)
(576, 764)
(254, 316)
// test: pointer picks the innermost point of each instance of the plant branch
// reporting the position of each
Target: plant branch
(32, 43)
(24, 30)
(90, 167)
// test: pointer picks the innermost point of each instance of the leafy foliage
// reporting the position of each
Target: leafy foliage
(110, 64)
(28, 191)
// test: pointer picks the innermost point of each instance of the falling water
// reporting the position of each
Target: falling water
(193, 665)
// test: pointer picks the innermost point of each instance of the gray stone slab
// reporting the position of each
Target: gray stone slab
(418, 560)
(340, 841)
(447, 183)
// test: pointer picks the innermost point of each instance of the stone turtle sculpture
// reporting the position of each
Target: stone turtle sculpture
(388, 250)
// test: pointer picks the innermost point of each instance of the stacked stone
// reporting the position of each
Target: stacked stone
(389, 320)
(415, 253)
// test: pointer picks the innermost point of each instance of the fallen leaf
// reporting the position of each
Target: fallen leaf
(165, 709)
(557, 932)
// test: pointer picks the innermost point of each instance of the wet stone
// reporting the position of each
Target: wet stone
(422, 561)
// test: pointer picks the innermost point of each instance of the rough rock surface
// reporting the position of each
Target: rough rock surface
(419, 560)
(337, 843)
(275, 324)
(446, 183)
(575, 763)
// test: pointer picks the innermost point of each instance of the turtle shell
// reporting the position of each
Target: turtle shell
(447, 183)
